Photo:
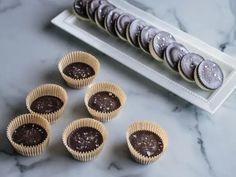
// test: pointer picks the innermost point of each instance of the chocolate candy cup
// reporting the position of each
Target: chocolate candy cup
(81, 123)
(104, 87)
(28, 150)
(146, 157)
(48, 90)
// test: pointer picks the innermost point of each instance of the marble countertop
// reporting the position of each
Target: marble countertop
(30, 48)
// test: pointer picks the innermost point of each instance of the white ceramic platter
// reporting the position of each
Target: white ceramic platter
(145, 65)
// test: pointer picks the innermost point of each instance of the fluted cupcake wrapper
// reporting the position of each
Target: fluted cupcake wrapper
(85, 122)
(25, 119)
(83, 57)
(50, 90)
(137, 126)
(99, 87)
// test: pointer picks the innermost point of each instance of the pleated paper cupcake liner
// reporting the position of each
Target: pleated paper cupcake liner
(85, 122)
(83, 57)
(95, 88)
(25, 119)
(48, 90)
(137, 126)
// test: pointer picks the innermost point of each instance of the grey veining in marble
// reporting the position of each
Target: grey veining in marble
(30, 48)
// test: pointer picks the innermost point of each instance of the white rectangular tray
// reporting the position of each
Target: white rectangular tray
(143, 64)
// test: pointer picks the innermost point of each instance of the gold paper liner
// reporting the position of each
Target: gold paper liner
(78, 56)
(51, 90)
(24, 119)
(104, 87)
(137, 126)
(85, 122)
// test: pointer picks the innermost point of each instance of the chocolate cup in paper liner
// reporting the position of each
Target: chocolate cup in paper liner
(85, 122)
(95, 88)
(48, 90)
(83, 57)
(25, 119)
(137, 126)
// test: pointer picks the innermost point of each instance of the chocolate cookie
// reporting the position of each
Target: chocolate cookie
(208, 75)
(79, 70)
(146, 35)
(46, 104)
(133, 31)
(110, 21)
(84, 139)
(159, 43)
(122, 23)
(188, 64)
(104, 102)
(92, 6)
(79, 7)
(173, 53)
(29, 134)
(146, 143)
(101, 14)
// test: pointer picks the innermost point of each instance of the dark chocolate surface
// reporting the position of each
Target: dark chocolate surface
(80, 8)
(111, 19)
(173, 53)
(92, 6)
(146, 35)
(161, 40)
(102, 12)
(46, 104)
(134, 29)
(104, 101)
(79, 70)
(29, 134)
(188, 64)
(146, 143)
(210, 74)
(84, 139)
(122, 23)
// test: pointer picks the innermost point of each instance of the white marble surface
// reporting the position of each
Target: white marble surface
(30, 48)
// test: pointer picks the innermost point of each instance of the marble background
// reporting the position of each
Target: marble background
(30, 48)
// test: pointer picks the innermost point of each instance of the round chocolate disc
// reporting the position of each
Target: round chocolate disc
(146, 143)
(79, 70)
(46, 104)
(92, 6)
(102, 12)
(173, 53)
(161, 40)
(104, 101)
(188, 64)
(80, 8)
(146, 35)
(84, 139)
(122, 23)
(210, 75)
(133, 31)
(29, 134)
(111, 19)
